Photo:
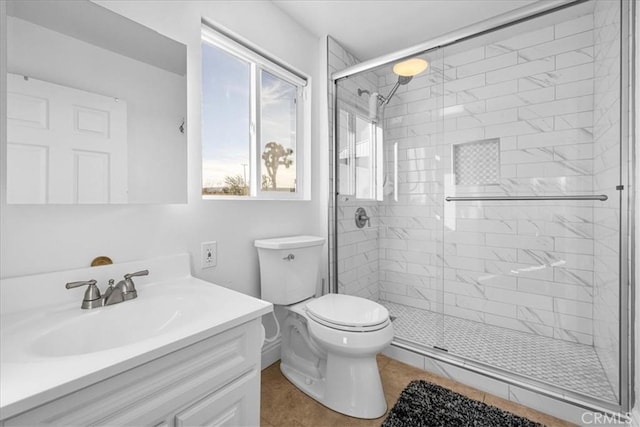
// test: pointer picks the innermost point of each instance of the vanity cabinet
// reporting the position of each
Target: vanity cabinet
(215, 381)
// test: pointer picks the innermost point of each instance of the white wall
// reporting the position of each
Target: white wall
(46, 238)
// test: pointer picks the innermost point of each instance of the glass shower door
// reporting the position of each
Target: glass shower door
(531, 209)
(388, 127)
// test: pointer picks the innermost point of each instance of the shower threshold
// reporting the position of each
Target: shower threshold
(564, 364)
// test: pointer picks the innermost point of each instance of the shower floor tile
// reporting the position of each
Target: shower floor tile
(561, 363)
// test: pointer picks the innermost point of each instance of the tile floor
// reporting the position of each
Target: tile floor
(538, 357)
(283, 405)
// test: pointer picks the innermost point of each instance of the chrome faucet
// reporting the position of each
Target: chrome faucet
(92, 297)
(123, 291)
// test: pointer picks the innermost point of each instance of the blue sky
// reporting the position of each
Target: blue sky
(226, 112)
(225, 115)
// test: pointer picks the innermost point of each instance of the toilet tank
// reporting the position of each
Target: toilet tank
(289, 268)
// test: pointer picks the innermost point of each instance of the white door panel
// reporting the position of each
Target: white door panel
(85, 137)
(27, 173)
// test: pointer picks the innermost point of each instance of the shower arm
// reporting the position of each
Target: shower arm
(382, 100)
(402, 80)
(385, 101)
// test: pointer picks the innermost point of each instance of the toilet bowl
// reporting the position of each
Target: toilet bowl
(344, 372)
(329, 344)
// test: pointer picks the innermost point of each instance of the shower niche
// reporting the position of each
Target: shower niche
(491, 178)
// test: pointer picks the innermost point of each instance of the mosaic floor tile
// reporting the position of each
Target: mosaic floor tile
(564, 364)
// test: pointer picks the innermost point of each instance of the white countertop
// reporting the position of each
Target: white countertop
(194, 309)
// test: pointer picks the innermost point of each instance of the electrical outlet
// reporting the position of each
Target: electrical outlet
(209, 254)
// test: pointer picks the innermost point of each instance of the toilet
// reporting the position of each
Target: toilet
(329, 344)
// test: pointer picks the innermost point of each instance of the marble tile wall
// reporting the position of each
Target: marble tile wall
(606, 176)
(546, 268)
(527, 266)
(357, 247)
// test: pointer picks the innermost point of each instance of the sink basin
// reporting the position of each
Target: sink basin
(50, 347)
(113, 326)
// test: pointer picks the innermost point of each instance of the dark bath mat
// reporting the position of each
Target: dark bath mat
(422, 404)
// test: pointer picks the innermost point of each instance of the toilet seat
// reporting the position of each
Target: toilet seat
(348, 313)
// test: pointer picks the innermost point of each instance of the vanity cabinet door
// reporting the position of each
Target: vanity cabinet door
(234, 405)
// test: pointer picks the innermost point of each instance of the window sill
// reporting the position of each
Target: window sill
(256, 199)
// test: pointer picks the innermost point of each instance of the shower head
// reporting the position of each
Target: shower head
(405, 71)
(402, 80)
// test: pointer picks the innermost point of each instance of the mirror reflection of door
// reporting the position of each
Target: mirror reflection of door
(64, 145)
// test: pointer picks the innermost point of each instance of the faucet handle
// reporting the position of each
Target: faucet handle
(136, 274)
(71, 285)
(129, 288)
(92, 297)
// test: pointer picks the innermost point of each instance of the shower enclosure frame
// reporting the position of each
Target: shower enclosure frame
(626, 191)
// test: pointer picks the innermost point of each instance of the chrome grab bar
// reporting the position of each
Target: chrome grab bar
(601, 197)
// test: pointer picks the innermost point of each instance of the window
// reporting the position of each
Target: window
(359, 156)
(254, 124)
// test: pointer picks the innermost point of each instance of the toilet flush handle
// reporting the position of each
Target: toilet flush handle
(289, 257)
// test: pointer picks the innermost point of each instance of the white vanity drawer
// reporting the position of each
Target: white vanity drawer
(232, 406)
(153, 392)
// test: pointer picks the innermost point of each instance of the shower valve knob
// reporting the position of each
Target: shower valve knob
(362, 218)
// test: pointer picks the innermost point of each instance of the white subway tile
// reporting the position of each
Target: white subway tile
(486, 226)
(575, 308)
(557, 259)
(483, 119)
(465, 57)
(489, 64)
(558, 46)
(552, 78)
(464, 135)
(488, 91)
(530, 155)
(555, 289)
(575, 89)
(454, 288)
(556, 168)
(555, 138)
(501, 281)
(485, 306)
(575, 277)
(492, 253)
(464, 83)
(520, 41)
(520, 298)
(509, 129)
(577, 245)
(573, 26)
(464, 263)
(576, 57)
(509, 241)
(528, 97)
(521, 70)
(574, 120)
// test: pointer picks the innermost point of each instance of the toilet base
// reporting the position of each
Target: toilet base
(352, 386)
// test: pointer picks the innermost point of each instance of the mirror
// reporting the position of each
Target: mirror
(96, 107)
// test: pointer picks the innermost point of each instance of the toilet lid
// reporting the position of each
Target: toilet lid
(347, 312)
